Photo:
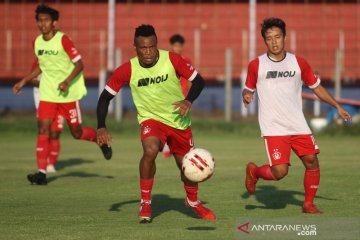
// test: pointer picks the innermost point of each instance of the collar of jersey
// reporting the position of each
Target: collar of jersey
(50, 38)
(275, 60)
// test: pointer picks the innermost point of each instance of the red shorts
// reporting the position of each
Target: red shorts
(180, 141)
(278, 148)
(70, 111)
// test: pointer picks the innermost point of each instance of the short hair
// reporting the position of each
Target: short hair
(42, 8)
(177, 38)
(144, 31)
(273, 22)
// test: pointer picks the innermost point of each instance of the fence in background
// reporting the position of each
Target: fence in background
(315, 31)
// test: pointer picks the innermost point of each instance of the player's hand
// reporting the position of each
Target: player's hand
(63, 86)
(17, 87)
(344, 115)
(103, 137)
(183, 107)
(248, 97)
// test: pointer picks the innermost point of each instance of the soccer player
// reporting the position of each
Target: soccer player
(163, 113)
(55, 128)
(61, 87)
(177, 43)
(278, 77)
(177, 46)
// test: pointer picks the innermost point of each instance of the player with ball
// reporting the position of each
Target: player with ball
(163, 113)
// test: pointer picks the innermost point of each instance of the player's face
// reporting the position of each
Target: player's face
(45, 23)
(146, 50)
(177, 48)
(275, 41)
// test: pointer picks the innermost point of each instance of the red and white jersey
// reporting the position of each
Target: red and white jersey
(122, 74)
(183, 81)
(279, 86)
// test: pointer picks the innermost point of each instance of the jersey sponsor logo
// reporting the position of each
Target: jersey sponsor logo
(47, 52)
(155, 80)
(276, 155)
(279, 74)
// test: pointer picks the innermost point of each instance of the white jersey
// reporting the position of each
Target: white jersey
(279, 86)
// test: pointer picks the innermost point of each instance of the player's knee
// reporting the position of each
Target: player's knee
(44, 131)
(311, 162)
(279, 173)
(54, 135)
(151, 151)
(76, 134)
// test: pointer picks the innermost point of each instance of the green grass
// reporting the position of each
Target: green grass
(91, 198)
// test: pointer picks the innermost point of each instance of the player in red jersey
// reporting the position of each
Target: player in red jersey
(177, 43)
(177, 46)
(163, 112)
(277, 76)
(62, 86)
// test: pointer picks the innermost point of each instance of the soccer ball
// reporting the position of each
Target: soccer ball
(198, 165)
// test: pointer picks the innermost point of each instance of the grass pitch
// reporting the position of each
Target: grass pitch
(91, 198)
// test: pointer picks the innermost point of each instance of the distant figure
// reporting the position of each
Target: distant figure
(278, 77)
(177, 43)
(177, 46)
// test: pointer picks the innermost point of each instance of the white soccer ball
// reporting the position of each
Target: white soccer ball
(198, 165)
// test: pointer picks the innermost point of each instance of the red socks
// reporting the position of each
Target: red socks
(191, 192)
(54, 149)
(42, 149)
(311, 184)
(264, 172)
(145, 188)
(88, 134)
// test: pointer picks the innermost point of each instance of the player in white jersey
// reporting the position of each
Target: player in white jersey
(278, 77)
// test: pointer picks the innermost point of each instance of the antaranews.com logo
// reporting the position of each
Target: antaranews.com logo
(307, 227)
(298, 229)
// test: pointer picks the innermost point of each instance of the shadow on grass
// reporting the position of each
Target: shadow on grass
(201, 228)
(161, 203)
(77, 174)
(272, 198)
(71, 162)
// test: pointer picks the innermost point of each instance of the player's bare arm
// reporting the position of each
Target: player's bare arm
(17, 87)
(248, 96)
(184, 106)
(103, 136)
(325, 96)
(64, 85)
(35, 82)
